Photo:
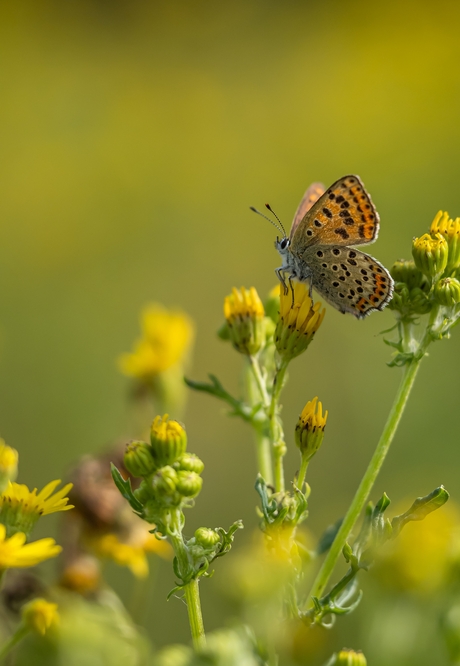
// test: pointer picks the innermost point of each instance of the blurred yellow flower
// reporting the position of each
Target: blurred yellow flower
(40, 615)
(8, 464)
(167, 336)
(420, 558)
(131, 554)
(15, 552)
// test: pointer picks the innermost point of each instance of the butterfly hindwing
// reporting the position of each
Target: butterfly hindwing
(350, 280)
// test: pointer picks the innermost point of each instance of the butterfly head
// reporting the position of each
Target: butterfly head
(282, 245)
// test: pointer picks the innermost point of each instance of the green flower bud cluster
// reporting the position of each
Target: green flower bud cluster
(170, 475)
(411, 290)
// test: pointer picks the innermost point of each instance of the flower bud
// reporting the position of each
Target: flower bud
(450, 230)
(189, 462)
(244, 313)
(348, 658)
(168, 440)
(419, 301)
(40, 615)
(138, 459)
(447, 292)
(164, 482)
(401, 296)
(297, 322)
(430, 254)
(407, 272)
(8, 465)
(309, 431)
(188, 483)
(206, 537)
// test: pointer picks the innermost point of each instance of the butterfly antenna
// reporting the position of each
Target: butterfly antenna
(280, 229)
(273, 213)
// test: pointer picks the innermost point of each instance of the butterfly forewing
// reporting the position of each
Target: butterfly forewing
(343, 215)
(350, 280)
(310, 197)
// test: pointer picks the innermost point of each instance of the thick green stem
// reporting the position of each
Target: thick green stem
(255, 367)
(264, 457)
(192, 593)
(192, 597)
(276, 430)
(19, 634)
(369, 477)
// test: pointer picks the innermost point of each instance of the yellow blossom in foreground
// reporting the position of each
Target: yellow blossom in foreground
(244, 313)
(298, 321)
(20, 508)
(15, 552)
(8, 464)
(166, 338)
(40, 615)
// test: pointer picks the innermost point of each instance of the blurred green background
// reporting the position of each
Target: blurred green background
(134, 136)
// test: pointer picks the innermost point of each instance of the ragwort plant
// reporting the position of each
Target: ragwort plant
(426, 305)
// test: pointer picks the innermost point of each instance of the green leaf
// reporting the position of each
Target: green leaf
(125, 489)
(328, 537)
(421, 508)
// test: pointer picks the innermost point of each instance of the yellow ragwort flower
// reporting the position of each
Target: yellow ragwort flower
(167, 336)
(15, 552)
(20, 508)
(40, 615)
(168, 440)
(430, 254)
(348, 658)
(450, 230)
(8, 464)
(309, 431)
(244, 313)
(298, 322)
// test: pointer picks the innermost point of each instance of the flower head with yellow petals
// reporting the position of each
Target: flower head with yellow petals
(40, 615)
(244, 314)
(167, 336)
(299, 320)
(450, 230)
(15, 552)
(20, 508)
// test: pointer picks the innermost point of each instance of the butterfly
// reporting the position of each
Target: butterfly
(317, 251)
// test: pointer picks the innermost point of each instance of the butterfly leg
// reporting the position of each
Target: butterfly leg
(291, 276)
(280, 275)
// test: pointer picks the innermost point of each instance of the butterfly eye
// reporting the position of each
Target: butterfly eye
(284, 243)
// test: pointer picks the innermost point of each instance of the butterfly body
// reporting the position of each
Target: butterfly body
(320, 249)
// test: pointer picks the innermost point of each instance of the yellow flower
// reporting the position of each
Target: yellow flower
(131, 554)
(81, 575)
(430, 254)
(348, 658)
(244, 313)
(450, 230)
(15, 552)
(168, 440)
(8, 464)
(167, 336)
(298, 322)
(40, 615)
(309, 431)
(20, 508)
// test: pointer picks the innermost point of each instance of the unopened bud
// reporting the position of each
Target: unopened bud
(447, 292)
(407, 272)
(188, 483)
(168, 440)
(206, 537)
(244, 313)
(430, 254)
(189, 462)
(138, 459)
(164, 482)
(348, 658)
(309, 431)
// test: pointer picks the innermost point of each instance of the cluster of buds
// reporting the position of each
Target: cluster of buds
(432, 278)
(170, 476)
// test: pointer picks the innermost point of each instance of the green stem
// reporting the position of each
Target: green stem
(192, 597)
(192, 593)
(276, 430)
(264, 457)
(255, 367)
(19, 634)
(369, 477)
(302, 472)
